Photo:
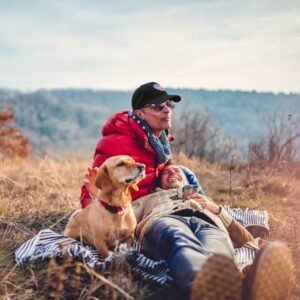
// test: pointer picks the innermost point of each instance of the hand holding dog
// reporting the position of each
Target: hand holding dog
(90, 180)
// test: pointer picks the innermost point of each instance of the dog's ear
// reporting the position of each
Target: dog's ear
(103, 180)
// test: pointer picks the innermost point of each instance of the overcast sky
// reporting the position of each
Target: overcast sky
(213, 44)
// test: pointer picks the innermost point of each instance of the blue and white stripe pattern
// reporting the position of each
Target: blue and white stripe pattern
(158, 271)
(153, 271)
(47, 244)
(250, 217)
(244, 257)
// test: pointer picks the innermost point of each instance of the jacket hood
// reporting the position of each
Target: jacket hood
(121, 123)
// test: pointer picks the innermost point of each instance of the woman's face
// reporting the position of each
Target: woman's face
(172, 177)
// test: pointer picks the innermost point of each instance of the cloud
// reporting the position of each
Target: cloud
(119, 44)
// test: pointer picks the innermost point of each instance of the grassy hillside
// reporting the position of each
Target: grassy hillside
(71, 119)
(38, 193)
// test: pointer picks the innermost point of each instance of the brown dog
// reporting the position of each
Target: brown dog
(109, 219)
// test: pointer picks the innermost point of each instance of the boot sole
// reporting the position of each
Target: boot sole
(218, 279)
(274, 275)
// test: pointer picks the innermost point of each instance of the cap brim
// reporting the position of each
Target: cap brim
(164, 98)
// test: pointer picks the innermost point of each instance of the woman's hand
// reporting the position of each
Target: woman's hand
(206, 203)
(90, 180)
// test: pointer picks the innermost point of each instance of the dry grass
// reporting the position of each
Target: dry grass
(38, 193)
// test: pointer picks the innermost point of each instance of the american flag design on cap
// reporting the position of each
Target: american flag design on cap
(158, 87)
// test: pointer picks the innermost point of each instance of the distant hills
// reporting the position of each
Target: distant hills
(71, 119)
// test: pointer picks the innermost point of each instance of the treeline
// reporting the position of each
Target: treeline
(71, 119)
(54, 124)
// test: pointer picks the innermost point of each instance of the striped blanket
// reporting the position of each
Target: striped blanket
(47, 244)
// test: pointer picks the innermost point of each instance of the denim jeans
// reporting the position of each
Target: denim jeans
(185, 243)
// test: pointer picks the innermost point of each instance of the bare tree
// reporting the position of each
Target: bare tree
(196, 134)
(282, 142)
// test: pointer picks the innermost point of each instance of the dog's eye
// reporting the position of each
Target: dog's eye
(120, 164)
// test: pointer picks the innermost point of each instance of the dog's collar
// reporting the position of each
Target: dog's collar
(119, 210)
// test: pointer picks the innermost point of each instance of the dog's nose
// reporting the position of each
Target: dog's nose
(141, 167)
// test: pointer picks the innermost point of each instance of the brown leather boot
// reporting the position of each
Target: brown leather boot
(271, 275)
(218, 279)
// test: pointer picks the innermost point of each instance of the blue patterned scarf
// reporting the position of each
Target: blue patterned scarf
(160, 145)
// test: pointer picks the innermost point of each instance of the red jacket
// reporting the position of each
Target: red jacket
(123, 136)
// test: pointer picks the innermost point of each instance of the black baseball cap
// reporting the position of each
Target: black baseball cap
(151, 93)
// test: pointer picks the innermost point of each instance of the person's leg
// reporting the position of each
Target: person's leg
(172, 238)
(211, 238)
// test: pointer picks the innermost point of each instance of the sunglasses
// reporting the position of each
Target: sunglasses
(161, 106)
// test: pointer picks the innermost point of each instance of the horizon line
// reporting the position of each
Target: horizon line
(101, 89)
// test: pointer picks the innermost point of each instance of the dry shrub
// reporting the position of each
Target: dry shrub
(200, 167)
(197, 135)
(281, 145)
(276, 186)
(39, 189)
(12, 142)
